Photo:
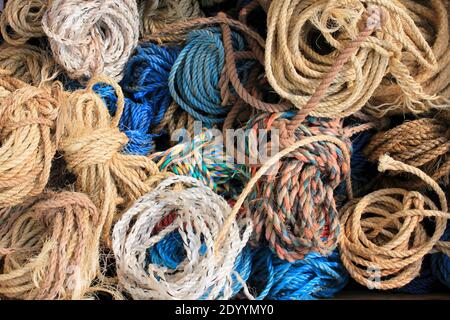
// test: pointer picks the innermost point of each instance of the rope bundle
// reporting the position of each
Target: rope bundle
(48, 248)
(91, 144)
(312, 278)
(21, 20)
(204, 159)
(146, 79)
(200, 216)
(293, 207)
(432, 19)
(195, 83)
(157, 14)
(90, 38)
(383, 241)
(29, 64)
(294, 68)
(422, 143)
(27, 143)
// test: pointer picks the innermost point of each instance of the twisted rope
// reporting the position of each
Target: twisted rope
(53, 248)
(200, 214)
(27, 144)
(383, 240)
(295, 69)
(90, 38)
(21, 20)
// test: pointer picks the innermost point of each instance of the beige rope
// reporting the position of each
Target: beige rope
(294, 68)
(383, 239)
(21, 20)
(90, 38)
(28, 63)
(27, 145)
(53, 248)
(432, 19)
(157, 14)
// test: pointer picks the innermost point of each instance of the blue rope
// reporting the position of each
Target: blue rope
(425, 283)
(146, 80)
(314, 277)
(135, 121)
(170, 252)
(194, 78)
(440, 263)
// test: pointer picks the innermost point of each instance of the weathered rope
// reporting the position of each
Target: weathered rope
(53, 251)
(432, 19)
(29, 64)
(21, 20)
(295, 69)
(200, 215)
(422, 143)
(90, 38)
(91, 143)
(27, 143)
(157, 14)
(383, 239)
(315, 277)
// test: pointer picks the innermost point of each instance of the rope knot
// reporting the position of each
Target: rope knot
(414, 200)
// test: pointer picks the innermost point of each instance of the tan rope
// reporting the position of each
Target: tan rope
(28, 63)
(157, 14)
(432, 19)
(27, 145)
(91, 143)
(21, 20)
(295, 69)
(383, 239)
(54, 251)
(422, 143)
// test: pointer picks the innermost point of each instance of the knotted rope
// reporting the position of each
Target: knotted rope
(91, 144)
(53, 251)
(90, 38)
(27, 143)
(315, 277)
(200, 215)
(422, 143)
(295, 69)
(29, 64)
(383, 239)
(21, 20)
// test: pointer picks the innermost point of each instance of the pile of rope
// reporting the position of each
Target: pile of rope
(210, 149)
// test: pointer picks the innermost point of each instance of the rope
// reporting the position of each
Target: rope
(200, 216)
(195, 83)
(383, 240)
(29, 64)
(21, 20)
(204, 159)
(431, 18)
(91, 144)
(422, 143)
(315, 277)
(157, 14)
(90, 38)
(146, 79)
(440, 262)
(295, 69)
(27, 145)
(53, 248)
